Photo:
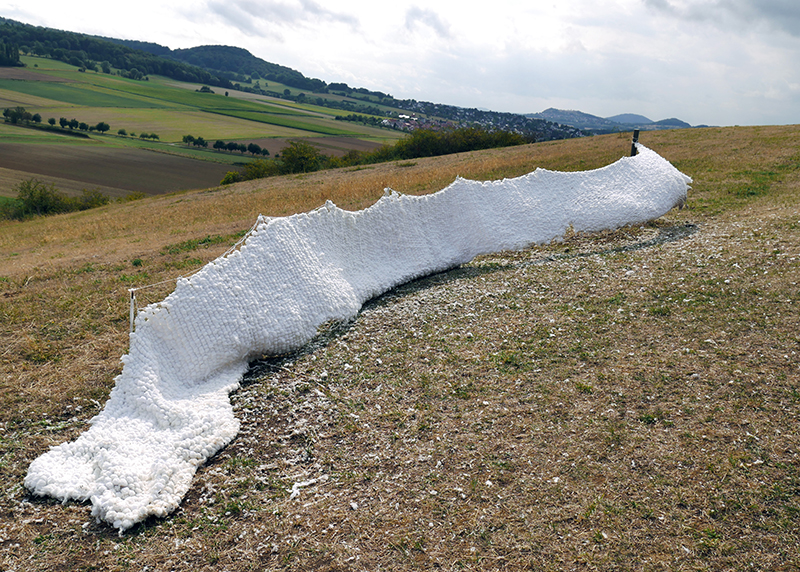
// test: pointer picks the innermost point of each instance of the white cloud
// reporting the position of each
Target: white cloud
(417, 17)
(254, 17)
(704, 61)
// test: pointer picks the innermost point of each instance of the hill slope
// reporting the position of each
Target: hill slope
(630, 119)
(614, 398)
(135, 110)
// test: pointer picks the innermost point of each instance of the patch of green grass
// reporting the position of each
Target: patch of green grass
(7, 202)
(74, 94)
(659, 311)
(283, 121)
(194, 244)
(507, 361)
(755, 184)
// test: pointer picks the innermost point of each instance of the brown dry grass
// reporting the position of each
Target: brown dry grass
(626, 400)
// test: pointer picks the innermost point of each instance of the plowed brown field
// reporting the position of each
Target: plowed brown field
(114, 171)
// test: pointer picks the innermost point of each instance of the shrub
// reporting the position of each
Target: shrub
(91, 199)
(35, 198)
(231, 177)
(38, 199)
(134, 196)
(8, 207)
(301, 157)
(260, 168)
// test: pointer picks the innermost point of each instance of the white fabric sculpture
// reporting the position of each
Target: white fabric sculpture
(169, 409)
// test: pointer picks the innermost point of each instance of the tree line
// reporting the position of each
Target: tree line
(89, 52)
(9, 54)
(15, 115)
(302, 157)
(232, 146)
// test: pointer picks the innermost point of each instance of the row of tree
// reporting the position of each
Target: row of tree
(16, 115)
(232, 146)
(102, 127)
(297, 157)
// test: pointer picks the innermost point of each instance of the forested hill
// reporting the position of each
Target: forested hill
(235, 64)
(93, 52)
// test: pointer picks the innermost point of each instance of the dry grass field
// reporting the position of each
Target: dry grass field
(626, 400)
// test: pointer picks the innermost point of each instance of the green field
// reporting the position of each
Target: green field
(91, 89)
(75, 94)
(165, 107)
(6, 201)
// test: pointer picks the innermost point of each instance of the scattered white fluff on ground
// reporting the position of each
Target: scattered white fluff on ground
(169, 410)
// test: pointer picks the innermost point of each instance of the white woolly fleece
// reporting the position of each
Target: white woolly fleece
(169, 410)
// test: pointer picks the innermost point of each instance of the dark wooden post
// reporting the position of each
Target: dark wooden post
(634, 142)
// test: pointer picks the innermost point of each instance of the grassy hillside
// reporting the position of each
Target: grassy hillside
(166, 107)
(623, 400)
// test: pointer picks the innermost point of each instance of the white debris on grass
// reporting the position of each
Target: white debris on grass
(295, 490)
(169, 410)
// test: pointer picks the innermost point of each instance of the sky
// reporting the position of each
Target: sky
(711, 62)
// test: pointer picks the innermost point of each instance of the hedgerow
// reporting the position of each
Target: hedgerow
(300, 157)
(35, 198)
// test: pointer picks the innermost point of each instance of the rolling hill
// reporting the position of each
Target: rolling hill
(232, 68)
(593, 124)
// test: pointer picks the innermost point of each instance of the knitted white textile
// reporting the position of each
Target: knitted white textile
(169, 410)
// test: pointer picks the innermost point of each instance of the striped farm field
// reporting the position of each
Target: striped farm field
(307, 123)
(122, 161)
(172, 124)
(11, 98)
(75, 94)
